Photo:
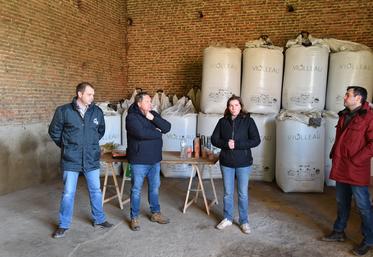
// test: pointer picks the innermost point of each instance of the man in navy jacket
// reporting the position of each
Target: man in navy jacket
(77, 128)
(144, 153)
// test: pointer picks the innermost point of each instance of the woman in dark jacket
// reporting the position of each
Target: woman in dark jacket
(235, 134)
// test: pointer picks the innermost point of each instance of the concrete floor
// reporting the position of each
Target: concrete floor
(282, 225)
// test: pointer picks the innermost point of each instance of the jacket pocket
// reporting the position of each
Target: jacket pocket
(355, 140)
(71, 153)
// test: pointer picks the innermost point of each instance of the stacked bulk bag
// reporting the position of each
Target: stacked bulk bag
(331, 120)
(351, 64)
(183, 124)
(221, 77)
(126, 104)
(160, 101)
(300, 160)
(261, 96)
(306, 69)
(264, 155)
(194, 94)
(205, 127)
(262, 78)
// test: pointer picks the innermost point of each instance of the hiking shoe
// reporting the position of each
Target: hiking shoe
(104, 225)
(59, 233)
(158, 217)
(224, 223)
(361, 249)
(135, 225)
(245, 228)
(335, 236)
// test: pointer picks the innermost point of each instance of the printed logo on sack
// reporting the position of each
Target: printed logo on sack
(261, 68)
(302, 67)
(354, 66)
(304, 137)
(225, 66)
(95, 121)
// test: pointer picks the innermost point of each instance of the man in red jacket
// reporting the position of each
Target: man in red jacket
(351, 154)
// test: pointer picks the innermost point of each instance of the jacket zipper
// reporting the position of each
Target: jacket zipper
(231, 150)
(232, 129)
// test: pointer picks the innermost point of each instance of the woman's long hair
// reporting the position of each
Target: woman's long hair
(243, 112)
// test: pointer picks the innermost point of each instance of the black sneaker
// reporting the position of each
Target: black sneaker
(361, 249)
(104, 225)
(335, 236)
(59, 233)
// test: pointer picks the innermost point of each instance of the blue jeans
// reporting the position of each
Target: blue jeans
(242, 174)
(138, 173)
(344, 194)
(70, 179)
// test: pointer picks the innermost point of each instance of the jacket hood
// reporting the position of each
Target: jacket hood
(134, 108)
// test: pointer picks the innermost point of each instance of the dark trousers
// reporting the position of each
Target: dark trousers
(344, 193)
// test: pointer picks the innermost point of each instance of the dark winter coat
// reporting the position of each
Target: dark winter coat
(353, 148)
(77, 137)
(144, 137)
(245, 134)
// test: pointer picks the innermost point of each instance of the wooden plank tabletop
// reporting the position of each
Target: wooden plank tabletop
(167, 157)
(174, 157)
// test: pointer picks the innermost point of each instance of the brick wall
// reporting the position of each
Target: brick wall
(167, 38)
(48, 47)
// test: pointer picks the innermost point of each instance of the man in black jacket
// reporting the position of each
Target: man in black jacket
(77, 128)
(144, 153)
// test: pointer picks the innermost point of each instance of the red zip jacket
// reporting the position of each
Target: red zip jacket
(353, 148)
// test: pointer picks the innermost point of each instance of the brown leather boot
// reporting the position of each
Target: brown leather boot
(135, 225)
(158, 217)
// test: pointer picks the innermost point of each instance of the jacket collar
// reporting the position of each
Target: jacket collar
(362, 110)
(239, 116)
(76, 106)
(236, 120)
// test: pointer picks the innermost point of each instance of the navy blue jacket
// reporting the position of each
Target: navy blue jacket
(144, 137)
(77, 137)
(245, 135)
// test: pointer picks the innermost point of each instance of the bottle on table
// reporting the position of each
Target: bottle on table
(183, 148)
(197, 147)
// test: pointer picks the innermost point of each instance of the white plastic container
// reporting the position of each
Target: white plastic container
(264, 155)
(299, 155)
(262, 79)
(112, 130)
(221, 77)
(305, 75)
(331, 120)
(180, 126)
(117, 168)
(207, 123)
(176, 170)
(213, 171)
(348, 69)
(205, 127)
(124, 131)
